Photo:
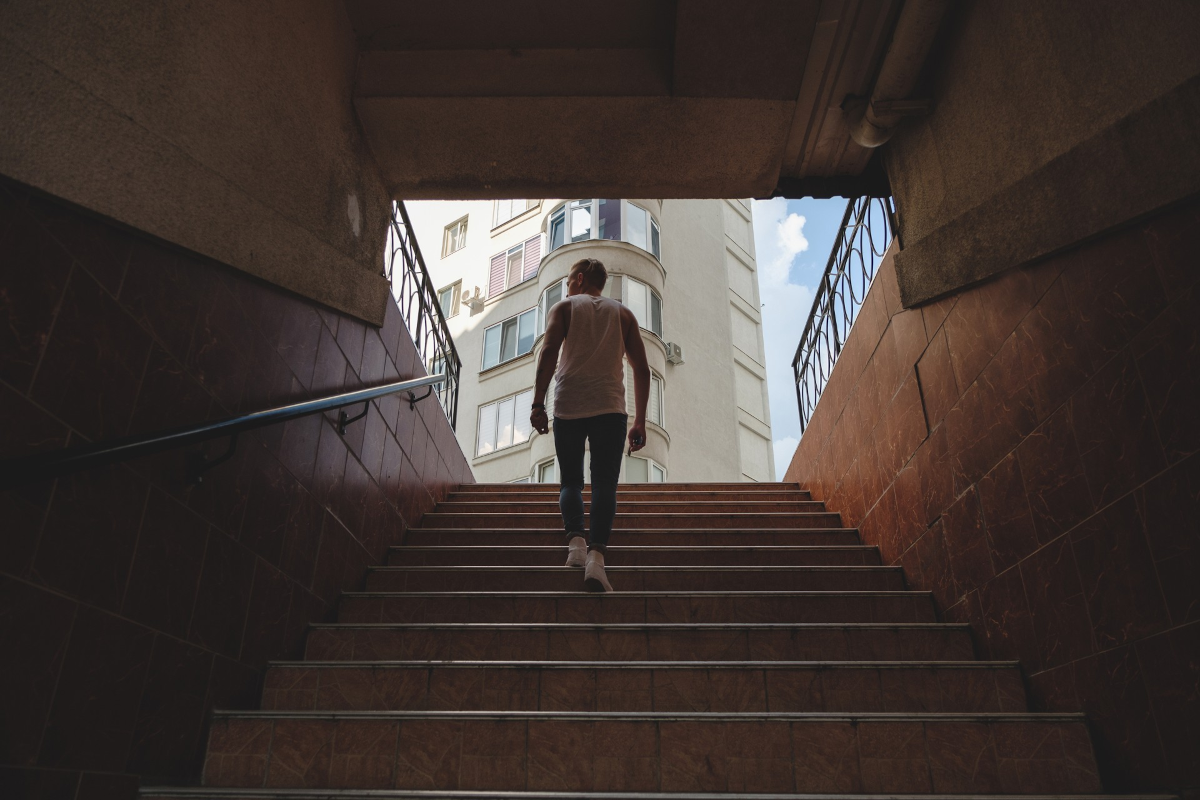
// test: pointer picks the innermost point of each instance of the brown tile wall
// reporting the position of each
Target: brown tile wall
(130, 603)
(1027, 450)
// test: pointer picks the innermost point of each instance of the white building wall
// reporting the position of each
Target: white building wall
(717, 425)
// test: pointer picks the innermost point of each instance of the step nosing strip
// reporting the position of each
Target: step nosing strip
(667, 716)
(618, 595)
(647, 626)
(519, 794)
(642, 665)
(638, 568)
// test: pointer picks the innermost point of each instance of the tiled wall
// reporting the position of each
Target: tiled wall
(1026, 449)
(131, 603)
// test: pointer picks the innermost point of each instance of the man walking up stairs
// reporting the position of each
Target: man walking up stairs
(756, 647)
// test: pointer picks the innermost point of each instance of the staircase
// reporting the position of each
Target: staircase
(753, 646)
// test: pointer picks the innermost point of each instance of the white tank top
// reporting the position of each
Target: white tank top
(590, 379)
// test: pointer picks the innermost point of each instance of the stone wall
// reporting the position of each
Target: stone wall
(131, 603)
(1026, 450)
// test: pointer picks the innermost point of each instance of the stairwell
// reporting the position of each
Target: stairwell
(753, 646)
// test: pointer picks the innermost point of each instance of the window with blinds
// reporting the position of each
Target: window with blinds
(654, 404)
(504, 423)
(514, 265)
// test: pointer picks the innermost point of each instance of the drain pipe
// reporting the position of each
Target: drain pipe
(872, 121)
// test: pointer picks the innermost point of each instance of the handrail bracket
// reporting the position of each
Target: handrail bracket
(344, 420)
(198, 463)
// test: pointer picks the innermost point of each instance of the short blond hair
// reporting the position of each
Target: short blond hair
(594, 273)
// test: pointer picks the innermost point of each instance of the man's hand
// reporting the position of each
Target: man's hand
(539, 421)
(637, 436)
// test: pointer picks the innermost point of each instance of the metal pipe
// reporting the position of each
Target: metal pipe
(873, 120)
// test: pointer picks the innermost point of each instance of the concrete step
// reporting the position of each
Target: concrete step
(734, 687)
(636, 607)
(549, 493)
(711, 537)
(487, 520)
(640, 642)
(627, 507)
(636, 579)
(637, 556)
(653, 752)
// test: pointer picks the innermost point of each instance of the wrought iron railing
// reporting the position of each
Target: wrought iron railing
(404, 267)
(867, 230)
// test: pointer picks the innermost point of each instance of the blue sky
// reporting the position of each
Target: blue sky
(792, 239)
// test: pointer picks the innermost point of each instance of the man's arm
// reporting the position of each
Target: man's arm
(635, 351)
(557, 322)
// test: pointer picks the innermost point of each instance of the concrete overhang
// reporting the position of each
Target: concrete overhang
(650, 98)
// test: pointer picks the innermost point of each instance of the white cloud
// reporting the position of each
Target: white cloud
(778, 239)
(784, 449)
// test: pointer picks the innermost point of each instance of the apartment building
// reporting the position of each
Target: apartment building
(686, 269)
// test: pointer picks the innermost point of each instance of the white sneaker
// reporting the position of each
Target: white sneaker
(594, 579)
(577, 552)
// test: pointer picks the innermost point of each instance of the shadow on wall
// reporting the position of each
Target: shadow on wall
(1026, 450)
(130, 603)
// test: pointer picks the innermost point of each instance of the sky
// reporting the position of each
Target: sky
(792, 240)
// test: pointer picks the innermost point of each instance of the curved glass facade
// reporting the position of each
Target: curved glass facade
(615, 220)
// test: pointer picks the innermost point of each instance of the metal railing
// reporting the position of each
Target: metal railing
(866, 232)
(42, 466)
(416, 296)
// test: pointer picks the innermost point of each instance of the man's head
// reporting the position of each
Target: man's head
(587, 276)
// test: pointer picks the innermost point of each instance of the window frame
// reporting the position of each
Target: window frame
(446, 239)
(561, 216)
(516, 421)
(516, 320)
(651, 296)
(651, 465)
(498, 223)
(455, 298)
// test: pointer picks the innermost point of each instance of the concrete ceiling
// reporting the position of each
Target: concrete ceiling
(629, 98)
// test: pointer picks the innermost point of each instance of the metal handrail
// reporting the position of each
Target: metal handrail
(844, 286)
(42, 466)
(417, 299)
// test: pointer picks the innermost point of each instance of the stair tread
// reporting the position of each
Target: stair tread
(660, 716)
(654, 626)
(467, 663)
(645, 568)
(468, 794)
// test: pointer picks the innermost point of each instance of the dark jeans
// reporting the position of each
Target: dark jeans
(606, 435)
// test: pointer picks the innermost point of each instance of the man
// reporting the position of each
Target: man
(594, 334)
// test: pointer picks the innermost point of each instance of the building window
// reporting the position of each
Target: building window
(448, 300)
(645, 304)
(510, 209)
(521, 480)
(504, 423)
(617, 220)
(643, 470)
(509, 339)
(553, 295)
(455, 238)
(515, 265)
(654, 404)
(546, 472)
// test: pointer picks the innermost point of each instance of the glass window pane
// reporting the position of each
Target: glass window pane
(522, 429)
(547, 472)
(558, 228)
(656, 314)
(608, 217)
(525, 333)
(636, 296)
(654, 406)
(516, 260)
(655, 240)
(581, 220)
(508, 341)
(485, 439)
(656, 474)
(504, 423)
(635, 470)
(444, 298)
(491, 346)
(635, 226)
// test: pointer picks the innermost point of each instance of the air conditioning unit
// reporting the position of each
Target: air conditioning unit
(674, 353)
(474, 302)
